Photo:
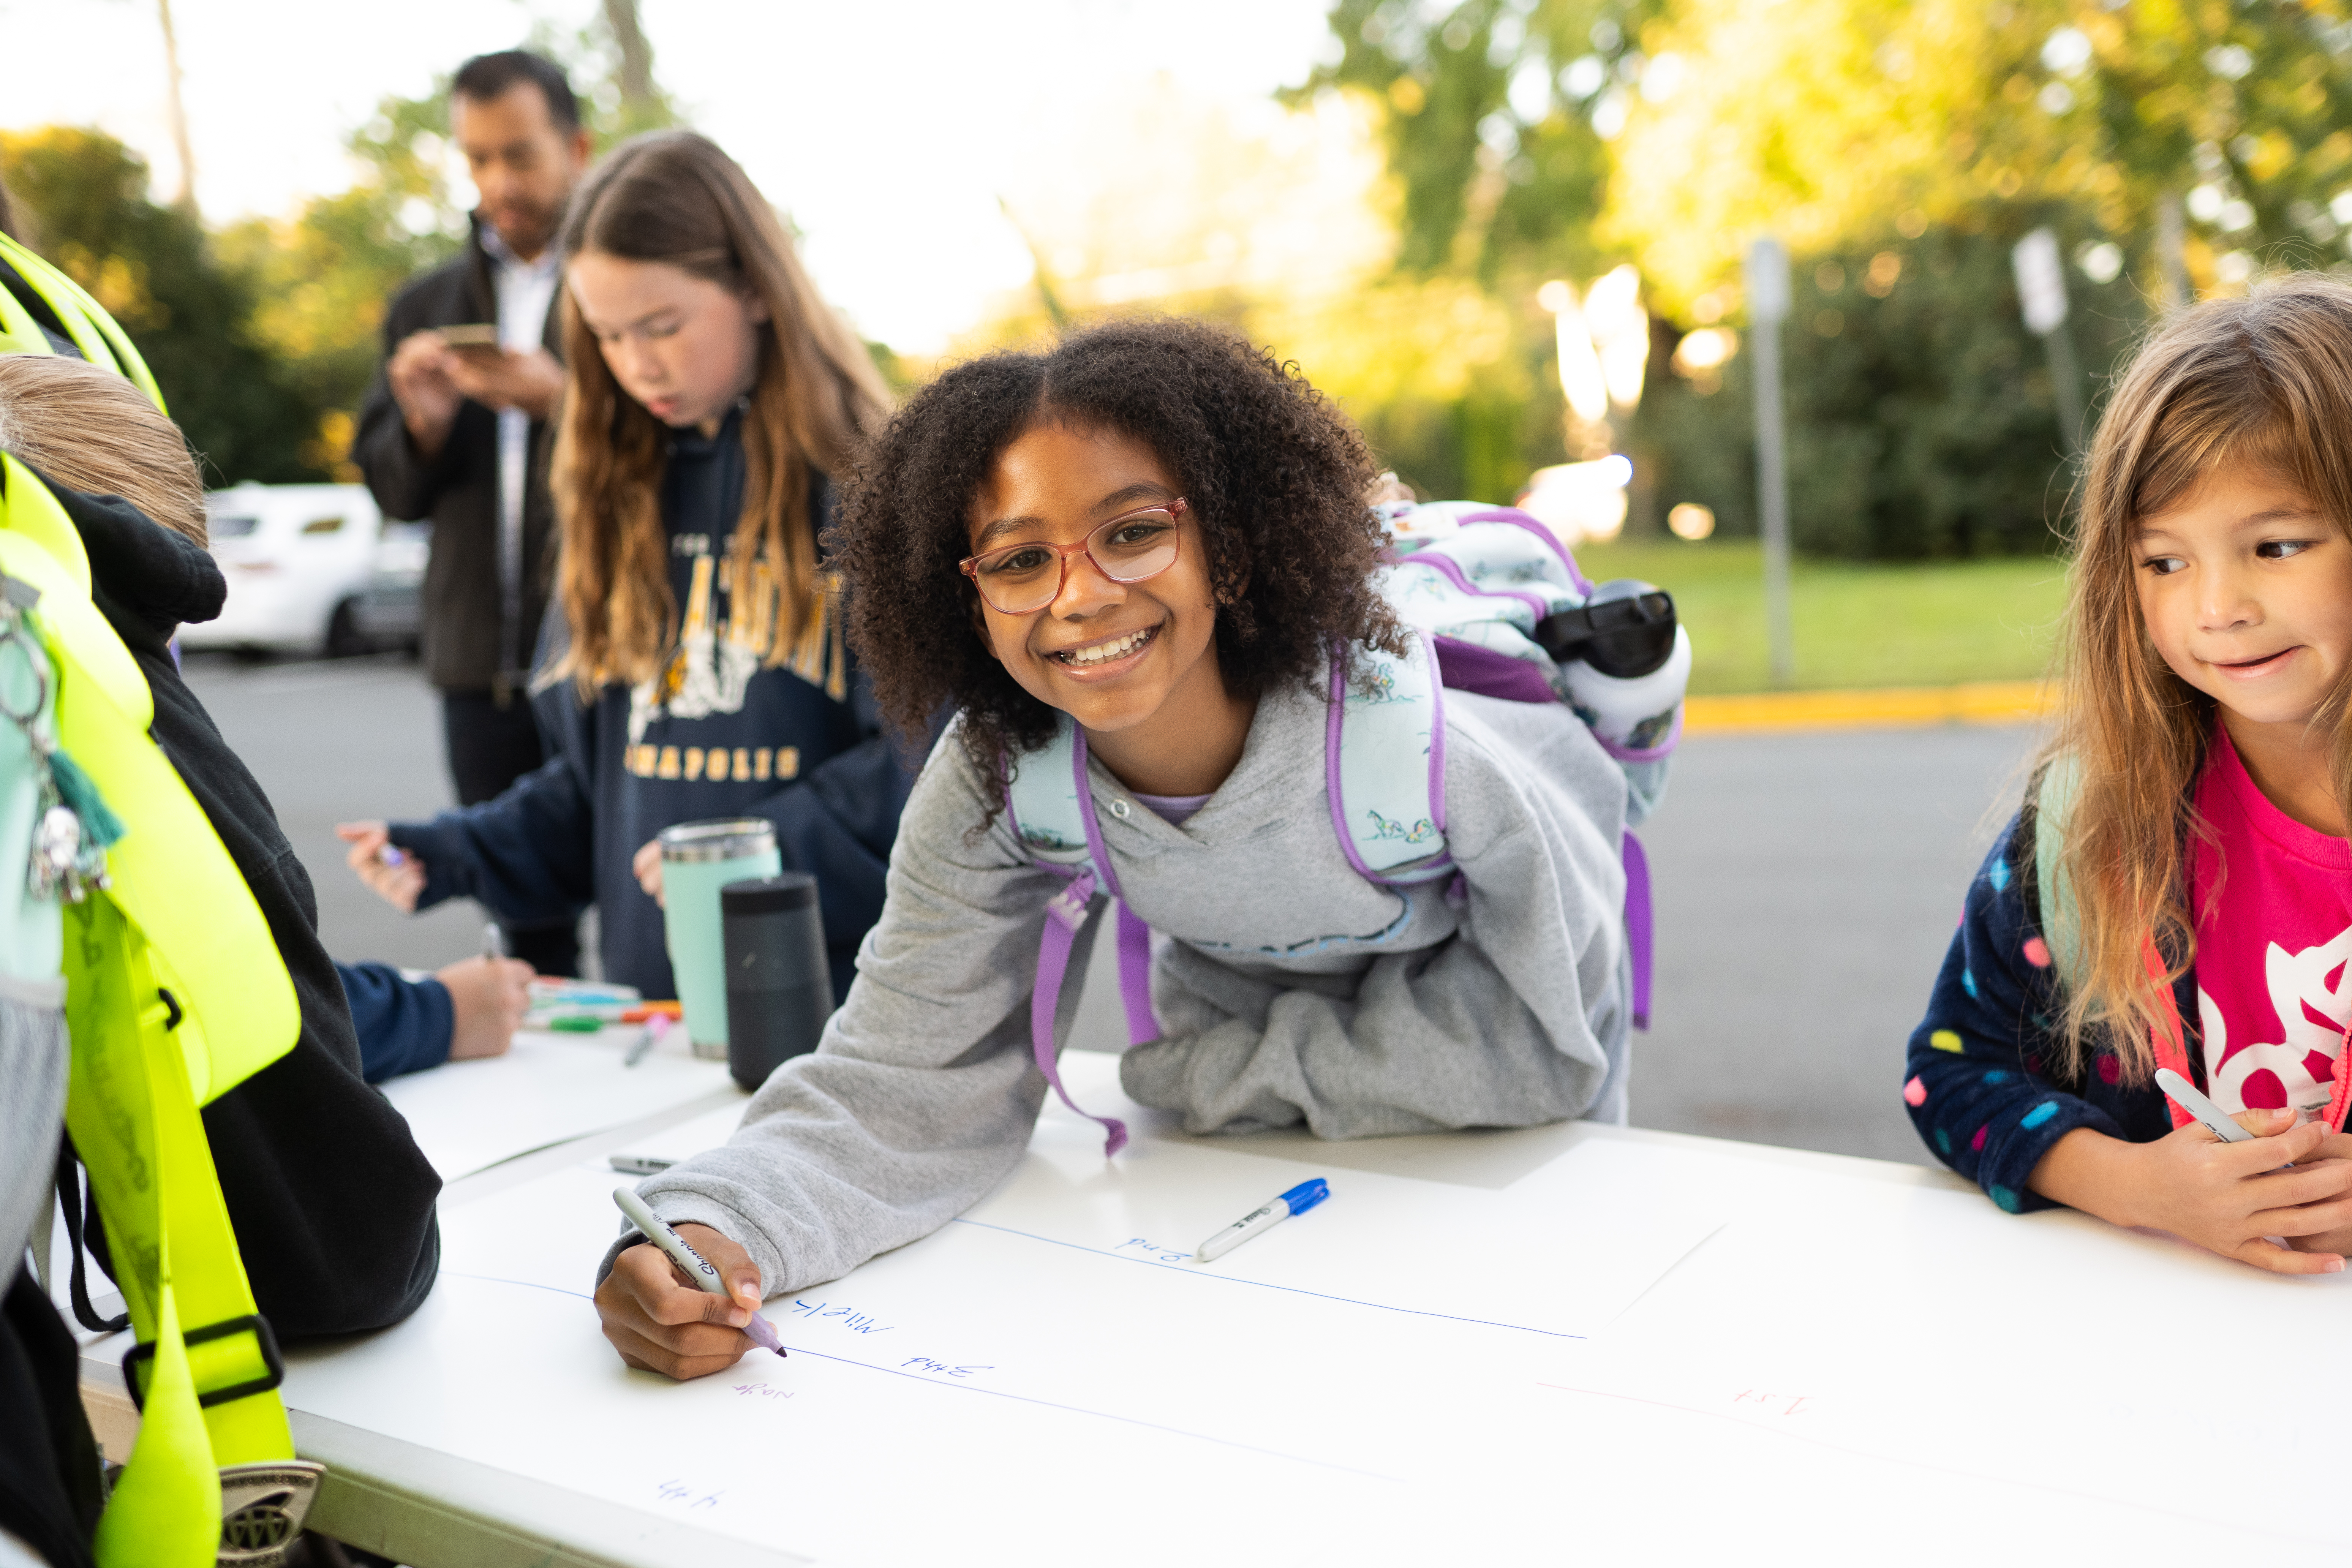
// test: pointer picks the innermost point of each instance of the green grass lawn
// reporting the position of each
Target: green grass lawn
(1855, 624)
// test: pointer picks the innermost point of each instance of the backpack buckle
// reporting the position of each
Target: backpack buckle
(273, 1363)
(1070, 905)
(263, 1505)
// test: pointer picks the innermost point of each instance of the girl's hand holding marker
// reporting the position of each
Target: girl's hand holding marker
(396, 878)
(661, 1320)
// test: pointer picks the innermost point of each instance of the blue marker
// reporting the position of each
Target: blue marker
(1298, 1200)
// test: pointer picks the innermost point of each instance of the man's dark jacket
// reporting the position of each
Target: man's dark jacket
(458, 490)
(332, 1200)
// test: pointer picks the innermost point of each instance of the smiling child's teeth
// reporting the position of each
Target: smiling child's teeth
(1101, 652)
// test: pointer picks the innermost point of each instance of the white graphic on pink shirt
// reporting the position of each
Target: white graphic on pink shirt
(2311, 991)
(2271, 897)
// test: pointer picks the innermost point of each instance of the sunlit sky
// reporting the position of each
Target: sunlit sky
(887, 128)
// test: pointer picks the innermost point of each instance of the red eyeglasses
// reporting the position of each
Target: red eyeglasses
(1134, 547)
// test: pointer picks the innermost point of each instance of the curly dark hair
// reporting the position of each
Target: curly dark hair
(1277, 475)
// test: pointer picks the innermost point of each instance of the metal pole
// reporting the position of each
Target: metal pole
(1768, 306)
(1772, 500)
(180, 145)
(2066, 383)
(2171, 268)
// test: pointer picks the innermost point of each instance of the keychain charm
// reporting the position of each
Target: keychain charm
(71, 835)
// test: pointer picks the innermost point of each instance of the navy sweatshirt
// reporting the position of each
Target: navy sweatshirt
(403, 1025)
(718, 734)
(1986, 1082)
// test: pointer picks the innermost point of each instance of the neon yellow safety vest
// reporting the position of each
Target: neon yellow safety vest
(175, 994)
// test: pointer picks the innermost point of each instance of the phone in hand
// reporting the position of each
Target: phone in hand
(474, 340)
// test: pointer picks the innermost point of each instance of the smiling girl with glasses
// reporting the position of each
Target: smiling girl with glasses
(1155, 540)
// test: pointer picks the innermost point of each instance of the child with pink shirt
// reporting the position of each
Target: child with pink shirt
(2177, 890)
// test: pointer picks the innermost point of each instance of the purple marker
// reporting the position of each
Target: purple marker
(653, 1228)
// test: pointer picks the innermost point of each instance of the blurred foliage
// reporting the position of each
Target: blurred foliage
(326, 274)
(1490, 111)
(1921, 415)
(1534, 138)
(1825, 119)
(263, 335)
(1283, 227)
(192, 317)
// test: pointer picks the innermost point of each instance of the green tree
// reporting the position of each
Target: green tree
(1922, 420)
(325, 275)
(1495, 113)
(2243, 111)
(191, 316)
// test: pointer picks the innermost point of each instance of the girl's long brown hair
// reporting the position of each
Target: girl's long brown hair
(2264, 381)
(673, 196)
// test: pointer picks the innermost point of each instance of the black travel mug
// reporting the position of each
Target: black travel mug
(778, 986)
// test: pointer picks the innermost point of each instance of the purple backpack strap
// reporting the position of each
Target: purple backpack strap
(1637, 925)
(1066, 913)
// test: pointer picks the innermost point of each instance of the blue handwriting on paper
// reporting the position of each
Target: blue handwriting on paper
(863, 1324)
(679, 1491)
(1152, 1248)
(764, 1390)
(925, 1364)
(850, 1319)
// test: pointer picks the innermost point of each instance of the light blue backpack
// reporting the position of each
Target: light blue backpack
(1476, 583)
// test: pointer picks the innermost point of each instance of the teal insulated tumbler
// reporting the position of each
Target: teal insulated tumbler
(698, 859)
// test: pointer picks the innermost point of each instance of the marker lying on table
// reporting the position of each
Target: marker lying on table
(1298, 1200)
(652, 1227)
(656, 1027)
(2216, 1121)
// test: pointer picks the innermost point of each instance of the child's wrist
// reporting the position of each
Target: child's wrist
(2087, 1169)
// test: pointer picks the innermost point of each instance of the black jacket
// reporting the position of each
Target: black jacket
(458, 489)
(331, 1199)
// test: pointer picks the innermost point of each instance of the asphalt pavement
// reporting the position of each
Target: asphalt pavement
(1806, 888)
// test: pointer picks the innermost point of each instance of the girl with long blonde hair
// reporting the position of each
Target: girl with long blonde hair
(2177, 892)
(694, 664)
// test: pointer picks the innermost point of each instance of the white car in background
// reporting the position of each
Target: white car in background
(298, 559)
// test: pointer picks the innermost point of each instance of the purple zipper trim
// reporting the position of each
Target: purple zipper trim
(1646, 754)
(1451, 569)
(1638, 926)
(1436, 734)
(1331, 793)
(1518, 518)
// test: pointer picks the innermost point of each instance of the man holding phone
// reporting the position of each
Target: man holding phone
(454, 427)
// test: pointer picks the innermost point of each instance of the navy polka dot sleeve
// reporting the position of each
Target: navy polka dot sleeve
(1981, 1076)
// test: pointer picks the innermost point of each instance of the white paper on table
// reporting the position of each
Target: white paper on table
(1392, 1377)
(548, 1088)
(1353, 1363)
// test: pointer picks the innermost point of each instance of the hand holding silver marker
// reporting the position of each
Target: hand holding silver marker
(2215, 1119)
(653, 1228)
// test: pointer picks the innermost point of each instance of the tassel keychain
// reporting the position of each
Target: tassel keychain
(76, 825)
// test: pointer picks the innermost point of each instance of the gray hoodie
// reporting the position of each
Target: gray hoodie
(1292, 989)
